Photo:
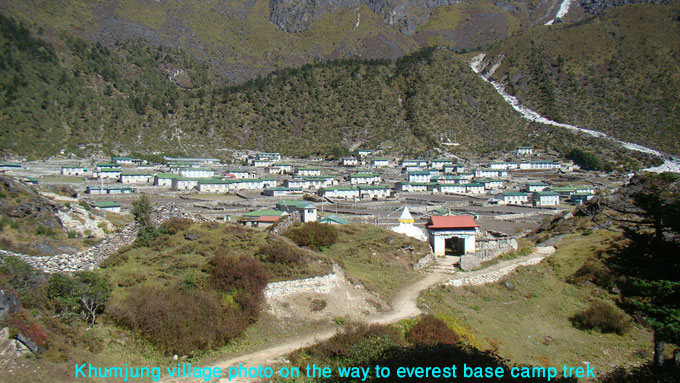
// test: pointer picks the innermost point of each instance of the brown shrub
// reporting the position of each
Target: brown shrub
(313, 234)
(177, 321)
(245, 274)
(175, 225)
(317, 305)
(595, 272)
(602, 317)
(356, 339)
(281, 252)
(430, 331)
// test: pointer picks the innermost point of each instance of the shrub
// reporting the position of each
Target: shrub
(596, 272)
(178, 321)
(21, 274)
(313, 234)
(175, 225)
(42, 230)
(280, 252)
(245, 274)
(430, 331)
(317, 305)
(602, 317)
(86, 294)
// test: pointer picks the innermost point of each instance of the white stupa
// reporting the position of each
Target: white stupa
(407, 227)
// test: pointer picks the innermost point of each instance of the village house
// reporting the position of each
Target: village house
(449, 188)
(309, 182)
(108, 173)
(364, 178)
(307, 210)
(108, 190)
(123, 160)
(412, 187)
(412, 168)
(106, 165)
(363, 152)
(191, 161)
(448, 179)
(280, 168)
(375, 191)
(164, 179)
(539, 165)
(262, 163)
(305, 172)
(533, 187)
(466, 175)
(581, 197)
(419, 176)
(182, 183)
(333, 220)
(344, 192)
(438, 163)
(236, 173)
(504, 165)
(474, 188)
(107, 206)
(453, 168)
(73, 171)
(281, 191)
(262, 218)
(349, 161)
(490, 173)
(545, 198)
(136, 178)
(9, 166)
(268, 156)
(197, 173)
(415, 162)
(524, 151)
(490, 183)
(512, 198)
(380, 162)
(456, 233)
(213, 185)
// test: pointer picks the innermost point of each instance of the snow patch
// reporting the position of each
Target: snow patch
(564, 8)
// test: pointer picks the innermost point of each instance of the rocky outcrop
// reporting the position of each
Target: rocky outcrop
(598, 6)
(78, 220)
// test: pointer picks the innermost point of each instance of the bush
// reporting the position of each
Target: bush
(313, 234)
(602, 317)
(430, 331)
(175, 225)
(21, 274)
(280, 252)
(177, 321)
(86, 294)
(244, 274)
(595, 272)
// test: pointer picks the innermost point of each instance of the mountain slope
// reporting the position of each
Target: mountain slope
(618, 72)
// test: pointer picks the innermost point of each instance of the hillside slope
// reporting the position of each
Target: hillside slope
(617, 72)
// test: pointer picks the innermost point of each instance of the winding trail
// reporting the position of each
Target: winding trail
(404, 305)
(671, 163)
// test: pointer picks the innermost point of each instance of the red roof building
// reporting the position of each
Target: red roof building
(452, 222)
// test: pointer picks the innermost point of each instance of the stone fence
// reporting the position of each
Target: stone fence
(322, 284)
(492, 276)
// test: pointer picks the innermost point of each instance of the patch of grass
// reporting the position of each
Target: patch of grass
(532, 322)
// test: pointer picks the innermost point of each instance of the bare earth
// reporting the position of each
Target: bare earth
(404, 305)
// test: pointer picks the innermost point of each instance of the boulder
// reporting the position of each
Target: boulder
(469, 262)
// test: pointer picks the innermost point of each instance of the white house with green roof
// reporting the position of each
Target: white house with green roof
(364, 178)
(545, 198)
(524, 151)
(183, 183)
(412, 168)
(106, 165)
(504, 165)
(214, 185)
(305, 172)
(536, 186)
(380, 162)
(122, 160)
(414, 162)
(349, 161)
(453, 168)
(136, 178)
(512, 198)
(438, 163)
(450, 188)
(268, 156)
(580, 198)
(412, 187)
(196, 173)
(363, 152)
(419, 176)
(374, 191)
(262, 162)
(74, 171)
(237, 173)
(107, 205)
(490, 173)
(333, 220)
(108, 173)
(281, 191)
(164, 179)
(344, 192)
(280, 168)
(539, 165)
(108, 190)
(307, 210)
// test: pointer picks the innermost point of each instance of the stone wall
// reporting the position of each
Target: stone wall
(492, 244)
(426, 261)
(323, 284)
(492, 276)
(287, 222)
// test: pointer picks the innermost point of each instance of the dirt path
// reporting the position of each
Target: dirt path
(404, 305)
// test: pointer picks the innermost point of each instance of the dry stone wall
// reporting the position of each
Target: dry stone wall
(492, 276)
(323, 284)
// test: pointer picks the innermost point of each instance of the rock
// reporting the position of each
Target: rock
(9, 303)
(469, 262)
(548, 339)
(509, 285)
(615, 290)
(390, 240)
(192, 236)
(32, 346)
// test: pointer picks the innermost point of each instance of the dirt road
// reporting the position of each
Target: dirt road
(404, 305)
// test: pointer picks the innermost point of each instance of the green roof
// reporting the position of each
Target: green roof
(472, 184)
(546, 193)
(265, 212)
(121, 158)
(372, 187)
(167, 175)
(109, 188)
(514, 194)
(112, 170)
(282, 164)
(107, 165)
(11, 164)
(364, 175)
(281, 188)
(308, 169)
(292, 202)
(102, 204)
(334, 218)
(537, 184)
(419, 173)
(380, 159)
(135, 174)
(442, 160)
(340, 188)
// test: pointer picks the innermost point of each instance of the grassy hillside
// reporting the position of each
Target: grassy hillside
(618, 72)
